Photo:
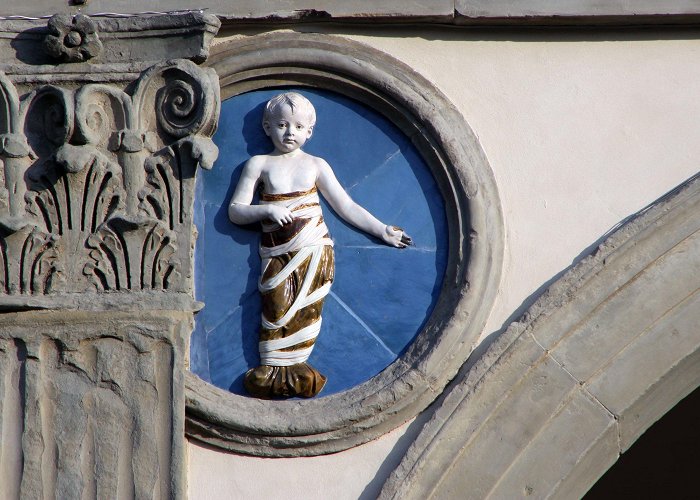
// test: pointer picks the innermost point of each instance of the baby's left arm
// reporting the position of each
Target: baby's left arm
(353, 213)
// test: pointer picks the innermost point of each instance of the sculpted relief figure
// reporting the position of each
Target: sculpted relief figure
(295, 248)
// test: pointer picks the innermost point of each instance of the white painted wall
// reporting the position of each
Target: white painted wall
(579, 134)
(581, 130)
(355, 473)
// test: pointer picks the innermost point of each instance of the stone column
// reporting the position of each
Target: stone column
(96, 238)
(92, 403)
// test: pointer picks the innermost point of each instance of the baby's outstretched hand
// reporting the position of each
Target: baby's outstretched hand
(280, 215)
(395, 237)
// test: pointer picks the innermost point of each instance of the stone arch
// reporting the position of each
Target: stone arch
(604, 353)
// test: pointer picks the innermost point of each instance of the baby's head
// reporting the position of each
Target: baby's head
(296, 102)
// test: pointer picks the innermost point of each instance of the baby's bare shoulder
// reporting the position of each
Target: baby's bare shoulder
(258, 160)
(314, 158)
(318, 162)
(257, 163)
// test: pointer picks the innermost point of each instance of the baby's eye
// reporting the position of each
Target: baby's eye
(299, 127)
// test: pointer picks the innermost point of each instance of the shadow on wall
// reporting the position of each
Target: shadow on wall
(589, 250)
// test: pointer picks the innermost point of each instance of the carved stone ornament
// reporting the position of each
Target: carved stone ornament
(452, 153)
(72, 39)
(96, 189)
(97, 170)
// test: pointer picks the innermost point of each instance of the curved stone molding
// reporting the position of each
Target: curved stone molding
(603, 354)
(409, 385)
(97, 188)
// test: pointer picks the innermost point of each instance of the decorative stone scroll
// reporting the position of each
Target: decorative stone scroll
(97, 166)
(97, 189)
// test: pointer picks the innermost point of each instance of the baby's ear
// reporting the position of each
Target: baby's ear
(266, 128)
(310, 132)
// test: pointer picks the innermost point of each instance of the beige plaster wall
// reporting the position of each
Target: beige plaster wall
(581, 130)
(355, 473)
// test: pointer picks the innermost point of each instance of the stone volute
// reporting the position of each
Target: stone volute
(96, 237)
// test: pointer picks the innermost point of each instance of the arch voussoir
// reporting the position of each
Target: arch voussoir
(604, 353)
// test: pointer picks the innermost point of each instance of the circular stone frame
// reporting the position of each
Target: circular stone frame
(340, 421)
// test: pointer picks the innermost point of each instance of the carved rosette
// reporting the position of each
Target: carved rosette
(72, 39)
(97, 184)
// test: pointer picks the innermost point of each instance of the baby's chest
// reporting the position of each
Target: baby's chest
(288, 180)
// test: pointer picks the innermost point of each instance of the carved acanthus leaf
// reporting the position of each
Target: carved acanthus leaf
(134, 254)
(79, 190)
(29, 261)
(105, 211)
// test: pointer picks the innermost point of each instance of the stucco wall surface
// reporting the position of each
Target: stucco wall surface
(581, 129)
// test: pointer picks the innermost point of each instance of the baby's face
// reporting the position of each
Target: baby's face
(288, 130)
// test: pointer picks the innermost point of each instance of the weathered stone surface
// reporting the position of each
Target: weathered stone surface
(576, 427)
(285, 10)
(647, 394)
(575, 476)
(99, 183)
(96, 236)
(482, 463)
(626, 365)
(571, 11)
(519, 355)
(588, 345)
(119, 49)
(91, 404)
(72, 39)
(482, 436)
(496, 12)
(452, 152)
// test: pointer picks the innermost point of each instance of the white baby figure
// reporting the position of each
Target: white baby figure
(296, 250)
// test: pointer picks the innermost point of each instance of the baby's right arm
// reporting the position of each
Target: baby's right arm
(240, 210)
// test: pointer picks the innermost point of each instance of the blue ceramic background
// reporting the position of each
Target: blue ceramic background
(381, 296)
